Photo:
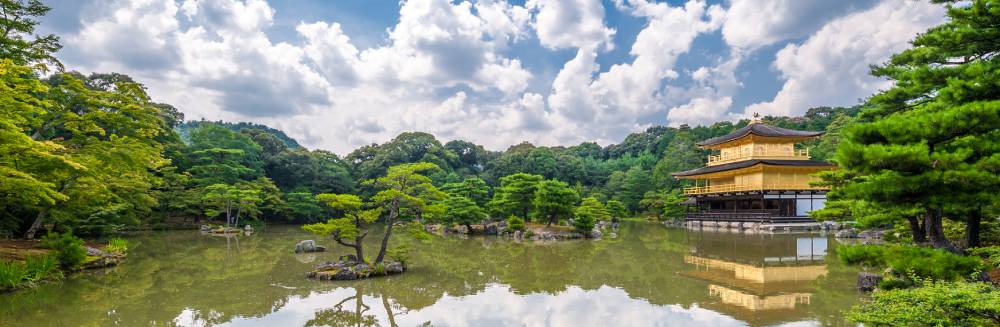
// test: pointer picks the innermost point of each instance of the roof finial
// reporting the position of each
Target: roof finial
(756, 119)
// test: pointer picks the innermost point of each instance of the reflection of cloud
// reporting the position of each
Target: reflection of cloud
(497, 305)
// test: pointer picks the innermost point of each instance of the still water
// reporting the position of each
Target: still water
(650, 275)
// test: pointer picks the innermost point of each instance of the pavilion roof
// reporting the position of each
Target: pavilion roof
(759, 129)
(751, 163)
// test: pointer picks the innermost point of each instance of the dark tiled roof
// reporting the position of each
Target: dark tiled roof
(759, 129)
(749, 163)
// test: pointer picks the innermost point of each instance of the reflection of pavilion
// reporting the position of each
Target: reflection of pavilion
(761, 279)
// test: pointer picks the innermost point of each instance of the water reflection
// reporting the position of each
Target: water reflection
(649, 276)
(758, 278)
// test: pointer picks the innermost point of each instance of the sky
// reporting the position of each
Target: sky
(340, 74)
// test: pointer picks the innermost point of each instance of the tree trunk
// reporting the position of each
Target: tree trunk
(40, 218)
(526, 215)
(357, 248)
(972, 228)
(935, 230)
(918, 232)
(30, 234)
(393, 213)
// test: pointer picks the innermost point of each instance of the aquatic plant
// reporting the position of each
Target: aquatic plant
(117, 245)
(12, 274)
(42, 267)
(380, 268)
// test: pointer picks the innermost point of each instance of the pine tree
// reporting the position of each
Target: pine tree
(931, 141)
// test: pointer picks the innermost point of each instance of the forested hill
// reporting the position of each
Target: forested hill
(185, 129)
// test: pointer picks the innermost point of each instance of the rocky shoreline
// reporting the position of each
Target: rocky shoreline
(538, 233)
(350, 268)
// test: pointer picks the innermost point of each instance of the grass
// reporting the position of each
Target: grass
(15, 274)
(117, 245)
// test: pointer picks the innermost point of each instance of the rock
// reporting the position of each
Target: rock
(867, 282)
(93, 252)
(613, 235)
(871, 234)
(305, 246)
(491, 229)
(348, 259)
(461, 229)
(345, 274)
(320, 249)
(394, 268)
(206, 228)
(596, 233)
(248, 228)
(846, 233)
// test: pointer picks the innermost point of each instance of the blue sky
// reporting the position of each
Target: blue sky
(340, 74)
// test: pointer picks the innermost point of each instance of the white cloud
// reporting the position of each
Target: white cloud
(449, 67)
(752, 24)
(571, 24)
(831, 67)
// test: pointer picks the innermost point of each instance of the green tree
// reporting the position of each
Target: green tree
(588, 213)
(516, 194)
(461, 210)
(350, 229)
(232, 201)
(616, 209)
(403, 187)
(18, 43)
(930, 141)
(554, 200)
(303, 206)
(473, 188)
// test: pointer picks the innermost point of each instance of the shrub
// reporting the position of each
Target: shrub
(515, 223)
(867, 255)
(69, 249)
(990, 254)
(932, 304)
(584, 224)
(117, 245)
(400, 253)
(906, 260)
(12, 274)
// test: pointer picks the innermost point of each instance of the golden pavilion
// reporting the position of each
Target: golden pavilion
(759, 174)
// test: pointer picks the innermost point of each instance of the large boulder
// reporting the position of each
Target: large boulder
(867, 282)
(872, 234)
(206, 228)
(93, 252)
(305, 246)
(394, 268)
(596, 233)
(846, 233)
(248, 228)
(491, 229)
(345, 274)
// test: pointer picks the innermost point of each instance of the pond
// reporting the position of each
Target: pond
(650, 275)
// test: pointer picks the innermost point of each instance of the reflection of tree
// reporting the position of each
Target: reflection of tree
(338, 316)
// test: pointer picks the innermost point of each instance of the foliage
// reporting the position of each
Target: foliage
(664, 205)
(17, 43)
(403, 187)
(12, 274)
(350, 229)
(935, 129)
(934, 303)
(908, 260)
(463, 211)
(617, 209)
(588, 213)
(990, 254)
(69, 249)
(555, 200)
(42, 267)
(516, 195)
(473, 188)
(515, 223)
(117, 245)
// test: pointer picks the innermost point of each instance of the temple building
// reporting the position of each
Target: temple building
(759, 175)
